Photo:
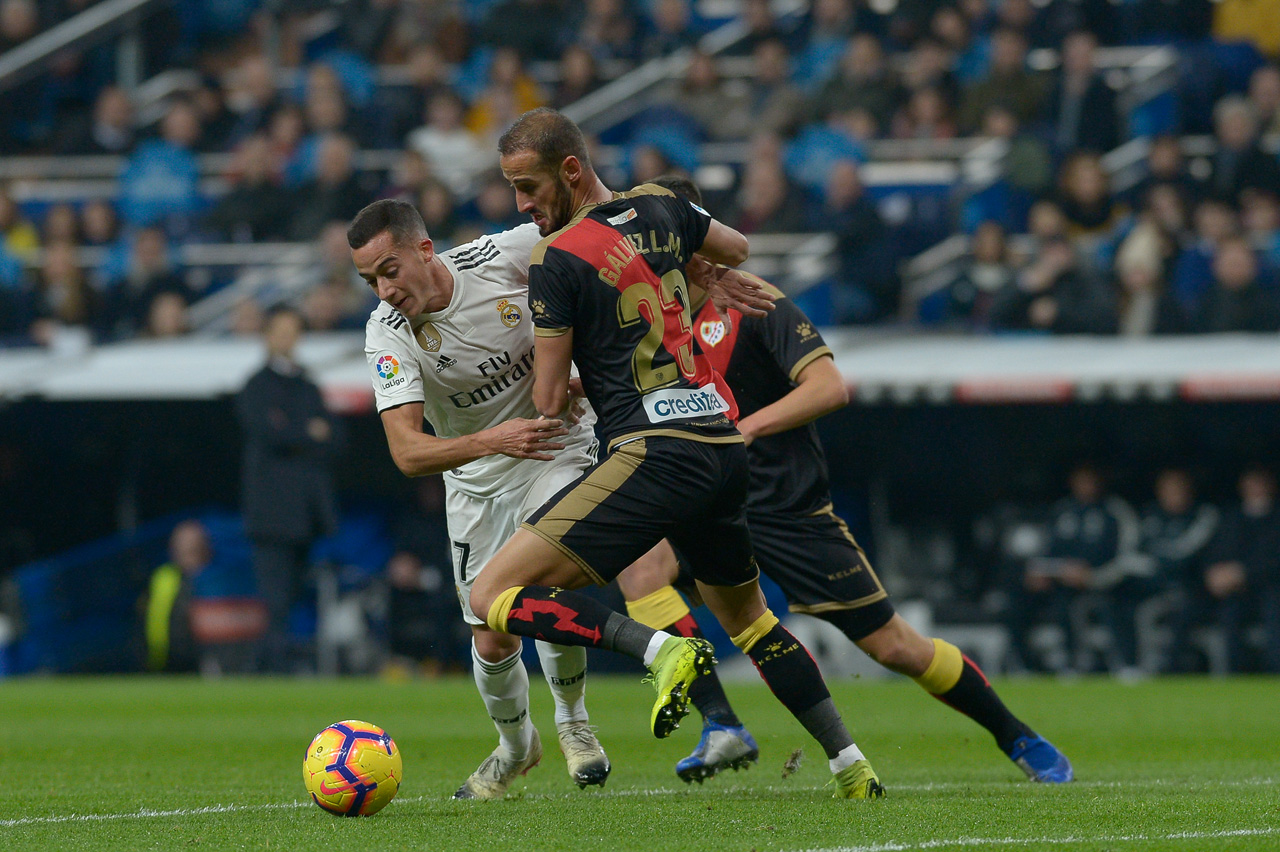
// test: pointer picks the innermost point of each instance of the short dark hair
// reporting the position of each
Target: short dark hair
(681, 186)
(401, 219)
(549, 134)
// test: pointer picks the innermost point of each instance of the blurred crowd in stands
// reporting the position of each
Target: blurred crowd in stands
(297, 92)
(1176, 585)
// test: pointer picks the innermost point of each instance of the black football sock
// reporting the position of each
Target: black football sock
(795, 680)
(568, 618)
(957, 682)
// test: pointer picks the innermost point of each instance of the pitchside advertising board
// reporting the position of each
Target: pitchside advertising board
(878, 368)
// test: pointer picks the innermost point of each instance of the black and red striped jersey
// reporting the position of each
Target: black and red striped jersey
(615, 276)
(759, 358)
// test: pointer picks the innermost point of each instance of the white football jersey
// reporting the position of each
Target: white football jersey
(471, 364)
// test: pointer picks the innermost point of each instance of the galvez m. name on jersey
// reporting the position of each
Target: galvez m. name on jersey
(471, 364)
(615, 275)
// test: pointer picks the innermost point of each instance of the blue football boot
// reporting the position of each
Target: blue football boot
(721, 747)
(1042, 762)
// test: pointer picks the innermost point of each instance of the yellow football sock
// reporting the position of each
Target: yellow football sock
(747, 639)
(497, 616)
(660, 609)
(945, 670)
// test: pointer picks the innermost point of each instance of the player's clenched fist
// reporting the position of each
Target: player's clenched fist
(526, 439)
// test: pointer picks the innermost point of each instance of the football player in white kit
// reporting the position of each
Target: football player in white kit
(452, 340)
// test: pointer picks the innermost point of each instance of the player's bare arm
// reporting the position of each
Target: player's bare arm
(417, 453)
(551, 365)
(820, 390)
(724, 245)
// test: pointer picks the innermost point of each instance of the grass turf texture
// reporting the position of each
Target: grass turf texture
(1176, 764)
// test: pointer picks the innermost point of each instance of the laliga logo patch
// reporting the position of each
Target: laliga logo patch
(508, 313)
(388, 367)
(712, 331)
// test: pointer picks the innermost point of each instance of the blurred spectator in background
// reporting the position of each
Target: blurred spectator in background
(1091, 533)
(60, 225)
(530, 27)
(1237, 301)
(108, 129)
(1081, 106)
(510, 93)
(253, 96)
(965, 301)
(1144, 305)
(167, 317)
(1264, 94)
(288, 496)
(609, 29)
(1239, 163)
(1008, 83)
(863, 81)
(247, 318)
(866, 285)
(402, 108)
(217, 122)
(149, 272)
(334, 193)
(171, 645)
(435, 203)
(1054, 294)
(1260, 217)
(1084, 194)
(767, 202)
(160, 183)
(926, 115)
(1173, 534)
(19, 21)
(64, 299)
(761, 25)
(454, 152)
(19, 236)
(1241, 583)
(256, 209)
(1028, 165)
(1167, 167)
(493, 210)
(722, 109)
(410, 175)
(99, 223)
(670, 29)
(1176, 530)
(579, 76)
(777, 105)
(822, 39)
(1214, 221)
(424, 631)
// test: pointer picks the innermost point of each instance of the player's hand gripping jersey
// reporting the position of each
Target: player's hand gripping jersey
(471, 364)
(616, 273)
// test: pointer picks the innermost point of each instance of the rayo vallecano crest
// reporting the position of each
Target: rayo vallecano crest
(712, 331)
(508, 313)
(428, 338)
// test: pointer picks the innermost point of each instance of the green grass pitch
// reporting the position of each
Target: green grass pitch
(133, 763)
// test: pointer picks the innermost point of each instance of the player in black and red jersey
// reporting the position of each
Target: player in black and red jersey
(784, 377)
(607, 292)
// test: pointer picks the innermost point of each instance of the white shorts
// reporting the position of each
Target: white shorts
(478, 527)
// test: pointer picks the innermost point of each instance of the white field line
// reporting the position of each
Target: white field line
(988, 842)
(720, 789)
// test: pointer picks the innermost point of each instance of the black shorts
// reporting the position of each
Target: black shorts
(692, 493)
(821, 569)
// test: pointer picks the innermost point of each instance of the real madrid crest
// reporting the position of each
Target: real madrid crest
(712, 331)
(508, 313)
(428, 338)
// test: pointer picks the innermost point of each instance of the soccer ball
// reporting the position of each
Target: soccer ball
(352, 769)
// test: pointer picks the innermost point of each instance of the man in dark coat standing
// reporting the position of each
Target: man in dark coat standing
(288, 497)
